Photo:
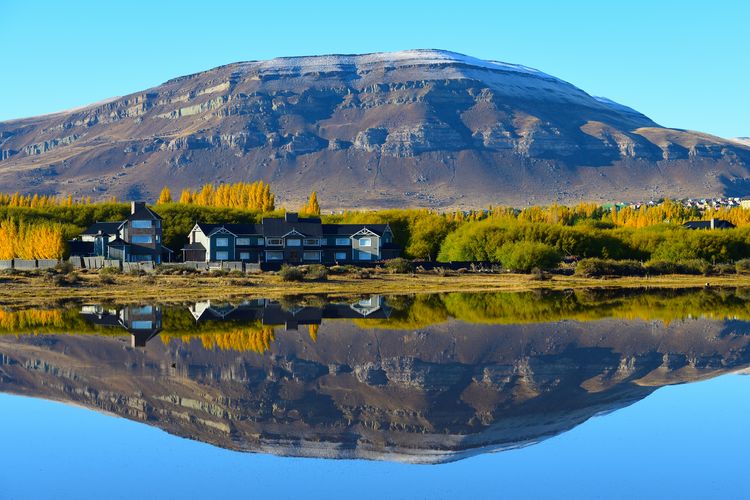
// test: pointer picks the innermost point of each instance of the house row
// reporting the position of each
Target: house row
(289, 239)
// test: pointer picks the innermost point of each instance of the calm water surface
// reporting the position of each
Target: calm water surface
(586, 394)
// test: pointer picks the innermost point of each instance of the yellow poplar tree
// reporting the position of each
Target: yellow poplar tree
(165, 196)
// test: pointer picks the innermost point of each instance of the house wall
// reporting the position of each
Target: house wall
(214, 248)
(197, 236)
(373, 249)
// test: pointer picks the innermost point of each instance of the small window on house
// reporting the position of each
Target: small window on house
(293, 242)
(274, 242)
(365, 242)
(140, 224)
(244, 255)
(272, 256)
(311, 256)
(340, 256)
(222, 255)
(343, 242)
(141, 325)
(242, 242)
(312, 242)
(222, 242)
(261, 241)
(141, 238)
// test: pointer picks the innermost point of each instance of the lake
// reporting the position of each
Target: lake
(542, 394)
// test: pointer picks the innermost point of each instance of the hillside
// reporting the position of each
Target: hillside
(412, 128)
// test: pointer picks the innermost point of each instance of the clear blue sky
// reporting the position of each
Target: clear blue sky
(685, 64)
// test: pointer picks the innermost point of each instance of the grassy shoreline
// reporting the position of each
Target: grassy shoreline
(30, 289)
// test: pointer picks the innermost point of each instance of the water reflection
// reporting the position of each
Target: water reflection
(430, 378)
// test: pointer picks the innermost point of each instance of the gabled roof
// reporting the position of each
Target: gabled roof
(236, 229)
(351, 229)
(118, 242)
(143, 212)
(108, 228)
(194, 246)
(276, 227)
(706, 224)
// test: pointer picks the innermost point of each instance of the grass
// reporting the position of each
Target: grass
(28, 289)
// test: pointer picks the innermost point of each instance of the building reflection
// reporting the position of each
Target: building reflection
(143, 322)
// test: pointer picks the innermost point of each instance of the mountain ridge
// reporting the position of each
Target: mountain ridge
(419, 127)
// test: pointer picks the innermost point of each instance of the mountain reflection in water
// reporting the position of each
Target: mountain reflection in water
(427, 378)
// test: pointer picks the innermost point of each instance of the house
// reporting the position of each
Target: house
(290, 239)
(142, 322)
(136, 239)
(708, 224)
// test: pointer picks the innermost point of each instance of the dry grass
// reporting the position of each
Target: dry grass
(16, 289)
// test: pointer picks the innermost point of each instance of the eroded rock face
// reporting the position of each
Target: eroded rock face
(438, 394)
(365, 130)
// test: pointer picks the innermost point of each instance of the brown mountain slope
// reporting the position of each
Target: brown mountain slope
(423, 127)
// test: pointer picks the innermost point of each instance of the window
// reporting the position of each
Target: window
(222, 242)
(242, 242)
(140, 224)
(271, 256)
(340, 256)
(244, 255)
(343, 241)
(312, 242)
(141, 325)
(365, 256)
(157, 238)
(293, 242)
(261, 241)
(222, 255)
(365, 242)
(141, 310)
(311, 256)
(141, 238)
(274, 242)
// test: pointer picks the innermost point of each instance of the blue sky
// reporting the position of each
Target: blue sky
(685, 64)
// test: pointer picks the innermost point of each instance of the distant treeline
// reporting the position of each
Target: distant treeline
(520, 239)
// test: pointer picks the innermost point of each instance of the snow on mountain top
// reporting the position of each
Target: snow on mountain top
(402, 58)
(616, 105)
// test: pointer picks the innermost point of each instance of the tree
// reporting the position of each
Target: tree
(165, 196)
(312, 207)
(186, 197)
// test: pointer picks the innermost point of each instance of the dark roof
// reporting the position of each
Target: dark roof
(237, 229)
(118, 242)
(141, 250)
(109, 228)
(141, 211)
(706, 224)
(350, 229)
(194, 246)
(276, 227)
(81, 247)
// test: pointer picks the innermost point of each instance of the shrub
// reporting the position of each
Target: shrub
(65, 267)
(597, 268)
(399, 266)
(338, 270)
(291, 273)
(317, 272)
(106, 279)
(659, 267)
(526, 255)
(742, 266)
(109, 271)
(63, 280)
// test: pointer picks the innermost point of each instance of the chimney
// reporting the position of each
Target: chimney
(291, 217)
(135, 205)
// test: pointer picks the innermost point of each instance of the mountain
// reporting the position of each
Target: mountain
(412, 128)
(435, 394)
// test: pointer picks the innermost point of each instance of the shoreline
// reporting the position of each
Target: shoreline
(32, 289)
